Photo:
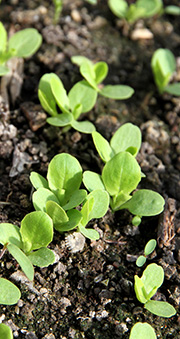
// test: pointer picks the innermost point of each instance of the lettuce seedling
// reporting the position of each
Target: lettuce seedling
(60, 194)
(53, 97)
(137, 10)
(22, 44)
(96, 73)
(5, 332)
(149, 248)
(146, 287)
(9, 293)
(142, 331)
(28, 243)
(122, 173)
(163, 65)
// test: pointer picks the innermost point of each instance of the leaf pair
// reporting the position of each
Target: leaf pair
(96, 73)
(133, 12)
(22, 44)
(28, 243)
(149, 248)
(60, 194)
(146, 287)
(163, 65)
(121, 174)
(81, 99)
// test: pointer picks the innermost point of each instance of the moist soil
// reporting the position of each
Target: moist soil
(90, 294)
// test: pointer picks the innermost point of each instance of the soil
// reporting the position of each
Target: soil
(90, 294)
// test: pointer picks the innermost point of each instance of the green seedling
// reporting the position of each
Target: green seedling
(146, 287)
(9, 293)
(22, 44)
(58, 5)
(163, 65)
(96, 73)
(60, 194)
(142, 331)
(149, 248)
(28, 244)
(137, 10)
(5, 332)
(122, 173)
(53, 97)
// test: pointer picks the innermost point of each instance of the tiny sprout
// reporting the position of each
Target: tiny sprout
(58, 5)
(146, 287)
(149, 248)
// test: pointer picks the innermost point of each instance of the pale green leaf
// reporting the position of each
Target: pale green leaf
(150, 247)
(76, 199)
(82, 94)
(38, 180)
(145, 203)
(172, 10)
(88, 73)
(46, 96)
(79, 60)
(160, 308)
(142, 331)
(22, 260)
(127, 136)
(139, 290)
(121, 173)
(140, 261)
(10, 233)
(59, 93)
(40, 198)
(74, 216)
(150, 7)
(9, 293)
(118, 7)
(101, 71)
(3, 41)
(36, 230)
(25, 42)
(83, 126)
(5, 332)
(100, 204)
(42, 257)
(103, 147)
(117, 92)
(89, 233)
(173, 89)
(92, 181)
(57, 213)
(152, 278)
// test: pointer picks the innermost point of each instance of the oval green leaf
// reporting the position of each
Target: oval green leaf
(9, 293)
(38, 180)
(150, 247)
(142, 331)
(10, 233)
(83, 126)
(160, 308)
(76, 199)
(102, 146)
(46, 96)
(126, 137)
(60, 120)
(92, 181)
(89, 233)
(42, 257)
(82, 94)
(101, 71)
(25, 42)
(140, 261)
(121, 173)
(36, 230)
(59, 93)
(40, 198)
(117, 92)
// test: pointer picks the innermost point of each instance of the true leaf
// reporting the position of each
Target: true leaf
(89, 74)
(74, 217)
(3, 35)
(76, 199)
(25, 42)
(64, 173)
(160, 308)
(92, 181)
(153, 277)
(82, 93)
(9, 293)
(10, 233)
(145, 203)
(139, 289)
(142, 331)
(172, 10)
(101, 71)
(57, 213)
(121, 173)
(36, 231)
(118, 92)
(23, 260)
(86, 209)
(38, 180)
(40, 198)
(126, 136)
(102, 145)
(79, 60)
(150, 7)
(118, 7)
(100, 205)
(5, 332)
(42, 257)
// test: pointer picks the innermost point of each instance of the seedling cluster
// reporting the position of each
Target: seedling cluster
(59, 201)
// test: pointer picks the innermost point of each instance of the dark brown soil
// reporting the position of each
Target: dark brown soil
(90, 294)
